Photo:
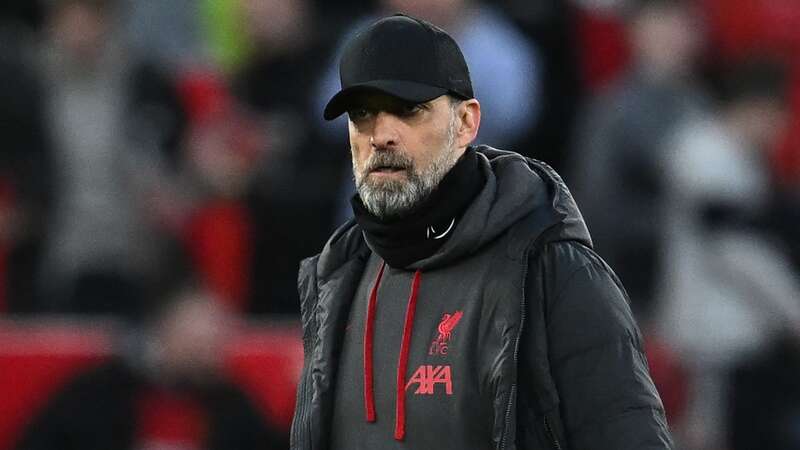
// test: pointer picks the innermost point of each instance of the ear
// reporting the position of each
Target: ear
(469, 112)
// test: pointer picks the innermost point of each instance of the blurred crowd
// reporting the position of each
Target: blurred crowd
(148, 141)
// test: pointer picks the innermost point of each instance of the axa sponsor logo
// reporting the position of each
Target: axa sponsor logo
(440, 345)
(427, 377)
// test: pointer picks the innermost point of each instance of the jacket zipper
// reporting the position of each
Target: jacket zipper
(540, 240)
(550, 435)
(513, 391)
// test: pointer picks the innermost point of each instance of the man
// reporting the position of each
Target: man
(106, 142)
(617, 169)
(463, 306)
(728, 286)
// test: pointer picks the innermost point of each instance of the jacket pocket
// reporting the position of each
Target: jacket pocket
(553, 431)
(541, 431)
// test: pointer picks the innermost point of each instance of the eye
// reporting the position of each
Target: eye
(410, 109)
(358, 113)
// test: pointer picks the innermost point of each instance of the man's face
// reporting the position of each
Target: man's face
(667, 39)
(79, 29)
(193, 335)
(401, 151)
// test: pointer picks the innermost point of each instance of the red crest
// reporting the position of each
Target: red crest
(449, 321)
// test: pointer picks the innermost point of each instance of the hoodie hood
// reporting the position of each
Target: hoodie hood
(516, 188)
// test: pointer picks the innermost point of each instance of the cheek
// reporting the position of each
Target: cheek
(357, 153)
(427, 145)
(359, 147)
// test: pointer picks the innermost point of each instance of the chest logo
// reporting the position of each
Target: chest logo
(440, 345)
(428, 376)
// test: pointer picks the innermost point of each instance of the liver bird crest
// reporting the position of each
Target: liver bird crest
(447, 324)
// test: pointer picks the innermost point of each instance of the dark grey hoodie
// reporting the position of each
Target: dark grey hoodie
(513, 334)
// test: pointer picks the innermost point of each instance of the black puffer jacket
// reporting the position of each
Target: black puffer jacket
(547, 340)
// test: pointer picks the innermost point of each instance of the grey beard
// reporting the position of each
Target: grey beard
(395, 198)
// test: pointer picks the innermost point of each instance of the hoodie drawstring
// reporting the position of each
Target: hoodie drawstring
(402, 364)
(408, 326)
(369, 331)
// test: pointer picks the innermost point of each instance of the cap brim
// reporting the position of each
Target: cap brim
(406, 90)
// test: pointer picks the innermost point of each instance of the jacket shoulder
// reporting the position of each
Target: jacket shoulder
(344, 245)
(576, 280)
(307, 290)
(337, 251)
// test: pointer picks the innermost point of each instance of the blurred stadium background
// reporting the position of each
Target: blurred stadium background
(164, 166)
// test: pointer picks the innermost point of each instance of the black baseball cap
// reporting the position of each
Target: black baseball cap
(404, 57)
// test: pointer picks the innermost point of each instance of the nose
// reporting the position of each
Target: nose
(384, 133)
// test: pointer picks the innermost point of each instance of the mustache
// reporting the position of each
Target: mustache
(388, 159)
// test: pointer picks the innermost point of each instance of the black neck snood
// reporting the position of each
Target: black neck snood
(420, 233)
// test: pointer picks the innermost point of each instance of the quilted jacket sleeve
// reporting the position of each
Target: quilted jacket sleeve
(600, 376)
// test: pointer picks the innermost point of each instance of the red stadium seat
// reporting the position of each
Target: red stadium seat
(36, 358)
